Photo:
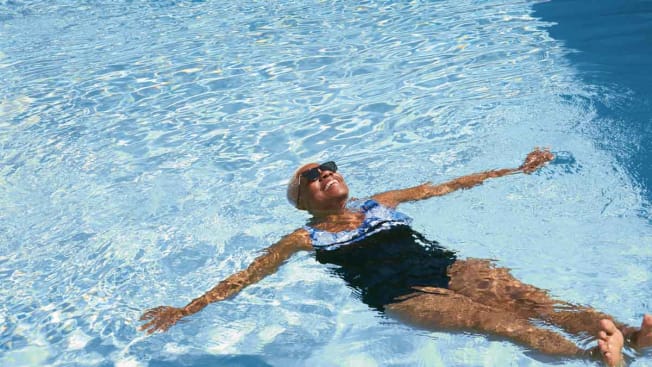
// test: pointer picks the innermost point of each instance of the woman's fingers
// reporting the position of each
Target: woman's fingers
(536, 159)
(151, 313)
(159, 319)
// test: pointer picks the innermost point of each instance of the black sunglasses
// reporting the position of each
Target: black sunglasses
(313, 173)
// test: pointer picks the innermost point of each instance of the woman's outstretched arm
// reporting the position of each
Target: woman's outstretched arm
(533, 161)
(161, 318)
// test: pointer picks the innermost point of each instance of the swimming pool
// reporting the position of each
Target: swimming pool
(146, 146)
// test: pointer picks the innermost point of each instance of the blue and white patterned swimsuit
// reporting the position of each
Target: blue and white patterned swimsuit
(377, 218)
(383, 258)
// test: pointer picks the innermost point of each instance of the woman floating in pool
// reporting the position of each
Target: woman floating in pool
(398, 271)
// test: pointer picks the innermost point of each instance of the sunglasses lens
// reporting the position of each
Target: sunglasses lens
(311, 174)
(329, 166)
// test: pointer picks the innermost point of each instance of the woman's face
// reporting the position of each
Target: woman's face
(326, 192)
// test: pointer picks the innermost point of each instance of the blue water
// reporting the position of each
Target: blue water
(610, 46)
(145, 147)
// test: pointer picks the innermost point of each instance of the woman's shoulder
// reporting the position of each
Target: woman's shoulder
(299, 233)
(299, 238)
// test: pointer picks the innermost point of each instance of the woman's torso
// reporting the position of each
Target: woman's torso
(382, 258)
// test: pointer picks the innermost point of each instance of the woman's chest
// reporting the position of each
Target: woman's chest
(343, 223)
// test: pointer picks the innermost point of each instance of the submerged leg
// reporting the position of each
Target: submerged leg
(493, 286)
(443, 309)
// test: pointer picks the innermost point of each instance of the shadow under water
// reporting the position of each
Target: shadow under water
(208, 360)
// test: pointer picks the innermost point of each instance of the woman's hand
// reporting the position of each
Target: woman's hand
(161, 318)
(536, 159)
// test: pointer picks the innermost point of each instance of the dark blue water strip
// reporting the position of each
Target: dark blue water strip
(612, 43)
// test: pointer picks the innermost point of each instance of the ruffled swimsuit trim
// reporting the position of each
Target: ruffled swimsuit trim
(377, 218)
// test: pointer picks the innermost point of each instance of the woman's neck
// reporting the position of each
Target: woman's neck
(337, 221)
(328, 210)
(330, 215)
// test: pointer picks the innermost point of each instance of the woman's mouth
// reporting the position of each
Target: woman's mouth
(329, 184)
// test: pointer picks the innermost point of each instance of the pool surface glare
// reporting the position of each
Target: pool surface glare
(145, 147)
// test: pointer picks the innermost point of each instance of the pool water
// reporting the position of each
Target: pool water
(145, 148)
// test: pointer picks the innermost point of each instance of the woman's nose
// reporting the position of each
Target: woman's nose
(324, 174)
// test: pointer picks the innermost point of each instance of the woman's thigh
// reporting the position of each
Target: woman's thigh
(495, 287)
(441, 309)
(483, 282)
